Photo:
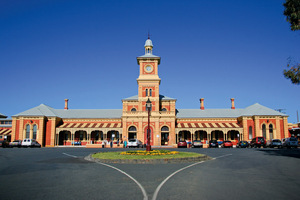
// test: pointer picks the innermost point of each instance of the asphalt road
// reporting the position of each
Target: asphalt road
(62, 173)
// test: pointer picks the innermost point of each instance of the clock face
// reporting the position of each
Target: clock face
(148, 68)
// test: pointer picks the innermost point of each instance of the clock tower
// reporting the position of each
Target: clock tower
(148, 80)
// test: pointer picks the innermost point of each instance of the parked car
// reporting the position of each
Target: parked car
(4, 143)
(16, 143)
(227, 144)
(182, 144)
(258, 142)
(30, 143)
(134, 143)
(290, 142)
(213, 144)
(197, 143)
(274, 143)
(242, 144)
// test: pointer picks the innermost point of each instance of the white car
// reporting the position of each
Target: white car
(134, 143)
(30, 143)
(290, 142)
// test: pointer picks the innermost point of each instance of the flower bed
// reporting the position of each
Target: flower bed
(150, 153)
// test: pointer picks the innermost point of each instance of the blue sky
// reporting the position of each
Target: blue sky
(86, 51)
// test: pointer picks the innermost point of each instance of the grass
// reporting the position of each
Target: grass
(117, 155)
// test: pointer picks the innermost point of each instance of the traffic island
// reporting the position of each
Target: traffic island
(144, 157)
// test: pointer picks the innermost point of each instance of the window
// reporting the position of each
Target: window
(264, 132)
(271, 131)
(133, 110)
(164, 135)
(250, 133)
(34, 131)
(146, 92)
(27, 131)
(150, 92)
(164, 109)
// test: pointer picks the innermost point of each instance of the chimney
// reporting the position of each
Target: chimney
(202, 103)
(232, 103)
(66, 104)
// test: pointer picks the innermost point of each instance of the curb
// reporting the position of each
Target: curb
(149, 161)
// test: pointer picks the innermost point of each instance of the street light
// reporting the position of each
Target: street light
(148, 107)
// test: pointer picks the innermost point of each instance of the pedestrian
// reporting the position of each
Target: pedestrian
(111, 144)
(118, 142)
(125, 144)
(103, 143)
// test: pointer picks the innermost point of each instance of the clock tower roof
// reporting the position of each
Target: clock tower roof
(148, 52)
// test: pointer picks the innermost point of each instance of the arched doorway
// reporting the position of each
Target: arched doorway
(264, 131)
(96, 136)
(164, 135)
(79, 137)
(184, 135)
(132, 132)
(113, 135)
(64, 136)
(217, 135)
(200, 135)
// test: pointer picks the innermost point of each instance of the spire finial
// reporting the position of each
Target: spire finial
(148, 34)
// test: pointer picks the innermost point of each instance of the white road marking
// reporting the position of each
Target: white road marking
(140, 186)
(164, 181)
(70, 155)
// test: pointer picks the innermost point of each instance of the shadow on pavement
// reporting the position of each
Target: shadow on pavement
(295, 153)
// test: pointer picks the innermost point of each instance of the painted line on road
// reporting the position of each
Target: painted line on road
(69, 155)
(164, 181)
(140, 186)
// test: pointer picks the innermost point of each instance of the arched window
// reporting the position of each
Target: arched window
(27, 131)
(250, 133)
(133, 110)
(34, 131)
(132, 132)
(271, 131)
(264, 131)
(164, 109)
(150, 92)
(146, 92)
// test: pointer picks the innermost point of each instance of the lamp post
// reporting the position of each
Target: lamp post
(148, 107)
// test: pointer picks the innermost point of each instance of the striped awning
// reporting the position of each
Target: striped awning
(208, 125)
(5, 131)
(91, 125)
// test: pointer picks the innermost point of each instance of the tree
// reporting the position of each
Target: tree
(292, 13)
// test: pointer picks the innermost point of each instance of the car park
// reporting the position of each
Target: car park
(290, 142)
(182, 144)
(134, 143)
(16, 143)
(274, 143)
(213, 144)
(227, 144)
(242, 144)
(197, 143)
(258, 142)
(4, 143)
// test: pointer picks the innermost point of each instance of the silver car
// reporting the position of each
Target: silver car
(290, 142)
(134, 143)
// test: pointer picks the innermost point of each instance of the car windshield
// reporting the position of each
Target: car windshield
(227, 141)
(260, 139)
(276, 141)
(132, 140)
(293, 139)
(213, 141)
(197, 141)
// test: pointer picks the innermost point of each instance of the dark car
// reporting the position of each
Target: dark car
(36, 144)
(182, 144)
(274, 143)
(4, 143)
(258, 142)
(197, 143)
(242, 144)
(16, 143)
(227, 144)
(213, 144)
